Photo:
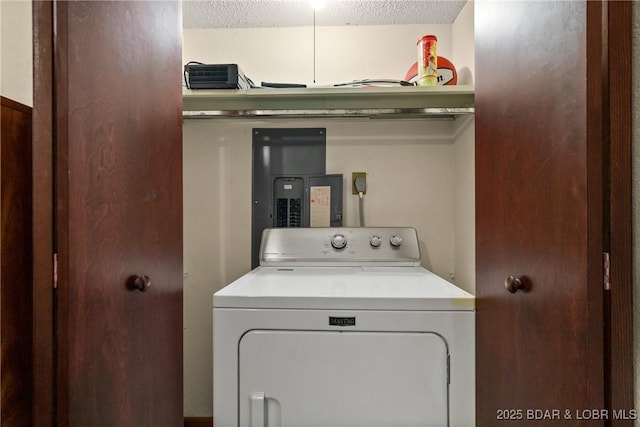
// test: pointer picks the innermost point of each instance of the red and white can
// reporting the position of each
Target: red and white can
(428, 61)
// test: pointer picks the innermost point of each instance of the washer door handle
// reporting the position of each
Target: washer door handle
(258, 409)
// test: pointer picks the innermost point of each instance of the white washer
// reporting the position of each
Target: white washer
(341, 327)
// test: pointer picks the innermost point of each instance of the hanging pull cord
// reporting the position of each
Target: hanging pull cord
(314, 46)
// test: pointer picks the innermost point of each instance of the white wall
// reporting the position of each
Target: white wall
(409, 180)
(636, 198)
(464, 205)
(217, 248)
(463, 55)
(411, 164)
(16, 63)
(342, 53)
(464, 179)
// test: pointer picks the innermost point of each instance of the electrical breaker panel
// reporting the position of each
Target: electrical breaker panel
(288, 198)
(314, 201)
(284, 162)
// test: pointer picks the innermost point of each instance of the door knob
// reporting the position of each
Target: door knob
(513, 284)
(140, 283)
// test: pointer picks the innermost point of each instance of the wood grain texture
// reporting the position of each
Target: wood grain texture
(43, 343)
(16, 370)
(620, 367)
(119, 213)
(538, 209)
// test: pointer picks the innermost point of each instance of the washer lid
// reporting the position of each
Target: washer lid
(344, 288)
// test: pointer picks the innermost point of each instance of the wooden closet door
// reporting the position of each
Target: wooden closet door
(117, 137)
(16, 351)
(539, 145)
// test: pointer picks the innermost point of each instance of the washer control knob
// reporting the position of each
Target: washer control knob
(396, 241)
(375, 241)
(338, 241)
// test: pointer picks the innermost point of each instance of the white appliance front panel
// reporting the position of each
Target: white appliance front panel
(364, 288)
(457, 328)
(358, 246)
(342, 379)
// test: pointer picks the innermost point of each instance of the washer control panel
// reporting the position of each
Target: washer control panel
(375, 241)
(340, 246)
(338, 241)
(396, 240)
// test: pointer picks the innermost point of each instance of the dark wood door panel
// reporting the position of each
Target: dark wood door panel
(16, 350)
(620, 335)
(535, 213)
(119, 213)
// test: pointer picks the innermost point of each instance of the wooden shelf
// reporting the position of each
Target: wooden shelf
(444, 102)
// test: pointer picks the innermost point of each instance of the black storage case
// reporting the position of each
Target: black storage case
(215, 76)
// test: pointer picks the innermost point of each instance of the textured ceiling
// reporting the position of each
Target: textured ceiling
(296, 13)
